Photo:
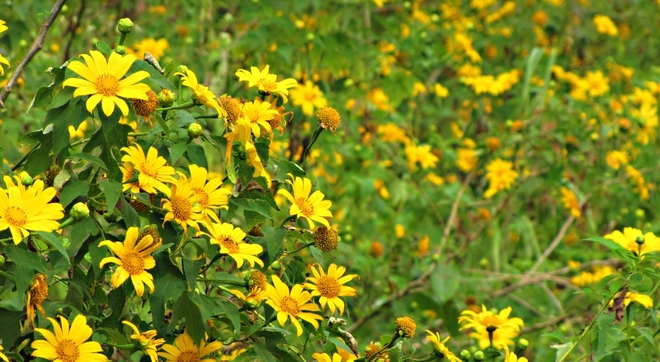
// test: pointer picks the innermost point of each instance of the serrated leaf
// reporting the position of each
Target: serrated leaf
(178, 149)
(231, 311)
(274, 239)
(562, 350)
(154, 75)
(185, 308)
(112, 190)
(71, 190)
(11, 330)
(168, 284)
(284, 167)
(607, 243)
(53, 240)
(259, 206)
(195, 153)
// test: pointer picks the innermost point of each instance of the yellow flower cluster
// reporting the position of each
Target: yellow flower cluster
(493, 85)
(3, 60)
(594, 276)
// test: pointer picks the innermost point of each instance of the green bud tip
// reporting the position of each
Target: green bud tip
(194, 130)
(79, 211)
(2, 260)
(522, 344)
(479, 356)
(640, 239)
(120, 49)
(465, 354)
(125, 25)
(27, 181)
(166, 98)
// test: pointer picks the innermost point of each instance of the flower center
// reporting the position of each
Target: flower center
(133, 263)
(181, 208)
(107, 85)
(289, 305)
(305, 206)
(310, 96)
(200, 94)
(203, 197)
(268, 85)
(328, 286)
(144, 168)
(229, 243)
(188, 356)
(68, 351)
(15, 216)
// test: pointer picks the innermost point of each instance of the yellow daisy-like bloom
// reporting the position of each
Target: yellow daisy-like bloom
(501, 336)
(308, 96)
(152, 46)
(211, 195)
(185, 350)
(68, 344)
(628, 238)
(422, 155)
(24, 209)
(324, 357)
(153, 169)
(182, 205)
(201, 93)
(230, 240)
(570, 201)
(134, 259)
(330, 286)
(36, 295)
(255, 161)
(312, 208)
(266, 82)
(146, 341)
(3, 356)
(605, 25)
(500, 176)
(510, 356)
(440, 348)
(466, 159)
(293, 305)
(103, 81)
(258, 113)
(642, 299)
(405, 327)
(489, 320)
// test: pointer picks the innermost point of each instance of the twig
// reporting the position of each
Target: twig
(36, 46)
(73, 25)
(422, 279)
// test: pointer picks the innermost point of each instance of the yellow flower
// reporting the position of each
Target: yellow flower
(421, 155)
(605, 25)
(103, 81)
(390, 132)
(642, 299)
(266, 82)
(598, 273)
(153, 170)
(232, 351)
(152, 46)
(481, 4)
(3, 356)
(329, 118)
(255, 161)
(440, 90)
(3, 60)
(501, 336)
(405, 327)
(211, 194)
(146, 341)
(312, 208)
(36, 295)
(616, 158)
(308, 96)
(134, 259)
(182, 205)
(258, 113)
(510, 356)
(24, 209)
(570, 201)
(201, 93)
(68, 344)
(231, 242)
(500, 176)
(185, 350)
(78, 133)
(324, 357)
(330, 286)
(489, 320)
(628, 238)
(596, 83)
(440, 347)
(466, 159)
(295, 304)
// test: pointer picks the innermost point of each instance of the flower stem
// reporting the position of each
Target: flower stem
(315, 136)
(586, 330)
(185, 105)
(301, 248)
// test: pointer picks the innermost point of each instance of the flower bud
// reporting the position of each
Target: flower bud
(639, 239)
(79, 211)
(27, 180)
(125, 25)
(120, 49)
(2, 260)
(479, 356)
(276, 265)
(329, 118)
(405, 327)
(465, 355)
(522, 344)
(166, 98)
(181, 69)
(194, 130)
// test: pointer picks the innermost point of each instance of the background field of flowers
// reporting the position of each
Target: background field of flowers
(481, 141)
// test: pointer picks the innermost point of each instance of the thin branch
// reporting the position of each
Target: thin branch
(34, 49)
(73, 25)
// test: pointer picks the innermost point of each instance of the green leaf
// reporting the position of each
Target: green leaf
(195, 154)
(274, 239)
(129, 214)
(178, 149)
(38, 160)
(116, 302)
(71, 190)
(112, 190)
(80, 232)
(27, 264)
(191, 271)
(168, 284)
(60, 98)
(114, 336)
(259, 206)
(231, 311)
(55, 242)
(445, 282)
(185, 308)
(284, 167)
(641, 283)
(607, 243)
(154, 75)
(42, 98)
(11, 330)
(562, 350)
(103, 48)
(89, 158)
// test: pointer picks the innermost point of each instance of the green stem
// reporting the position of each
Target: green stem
(269, 321)
(586, 329)
(8, 276)
(185, 105)
(206, 280)
(301, 248)
(289, 218)
(121, 346)
(315, 136)
(385, 348)
(207, 116)
(122, 38)
(137, 134)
